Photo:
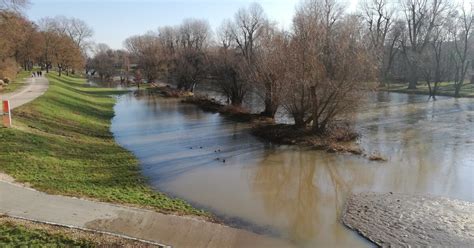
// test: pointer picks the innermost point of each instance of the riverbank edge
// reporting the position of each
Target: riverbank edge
(29, 127)
(405, 220)
(341, 139)
(423, 90)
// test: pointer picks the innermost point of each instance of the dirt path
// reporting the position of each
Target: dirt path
(34, 88)
(401, 220)
(175, 231)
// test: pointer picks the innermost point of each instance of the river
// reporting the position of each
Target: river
(295, 193)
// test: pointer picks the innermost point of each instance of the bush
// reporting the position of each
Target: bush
(8, 68)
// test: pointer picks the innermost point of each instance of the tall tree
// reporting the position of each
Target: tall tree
(461, 32)
(378, 15)
(329, 60)
(191, 58)
(226, 66)
(148, 50)
(270, 68)
(421, 17)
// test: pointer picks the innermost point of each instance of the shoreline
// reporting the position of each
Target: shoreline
(341, 139)
(395, 219)
(39, 153)
(424, 90)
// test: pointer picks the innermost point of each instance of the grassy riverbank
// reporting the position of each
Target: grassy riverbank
(445, 89)
(61, 144)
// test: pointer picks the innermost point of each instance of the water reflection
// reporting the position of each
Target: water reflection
(292, 192)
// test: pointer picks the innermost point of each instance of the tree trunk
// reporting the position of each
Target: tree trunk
(299, 120)
(413, 75)
(269, 111)
(457, 90)
(236, 101)
(413, 80)
(270, 106)
(430, 91)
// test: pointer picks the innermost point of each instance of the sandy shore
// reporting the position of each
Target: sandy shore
(405, 220)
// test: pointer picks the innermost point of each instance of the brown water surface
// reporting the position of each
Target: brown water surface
(295, 193)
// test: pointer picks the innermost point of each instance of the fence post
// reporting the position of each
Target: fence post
(6, 116)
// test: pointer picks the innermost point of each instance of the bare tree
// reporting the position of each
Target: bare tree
(249, 26)
(235, 60)
(461, 33)
(378, 16)
(246, 29)
(79, 32)
(13, 5)
(168, 37)
(103, 61)
(147, 49)
(191, 59)
(270, 68)
(421, 17)
(392, 49)
(329, 59)
(122, 60)
(227, 66)
(436, 64)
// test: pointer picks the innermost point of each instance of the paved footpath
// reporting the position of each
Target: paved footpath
(170, 230)
(34, 88)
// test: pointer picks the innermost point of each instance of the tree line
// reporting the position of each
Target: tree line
(57, 42)
(317, 70)
(417, 41)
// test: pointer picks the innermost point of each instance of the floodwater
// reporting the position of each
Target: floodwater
(294, 193)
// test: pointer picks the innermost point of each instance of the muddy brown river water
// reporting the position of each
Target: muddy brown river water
(294, 193)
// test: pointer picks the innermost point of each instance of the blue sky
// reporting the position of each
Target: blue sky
(115, 20)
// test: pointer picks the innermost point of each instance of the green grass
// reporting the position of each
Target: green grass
(445, 89)
(61, 144)
(12, 235)
(16, 83)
